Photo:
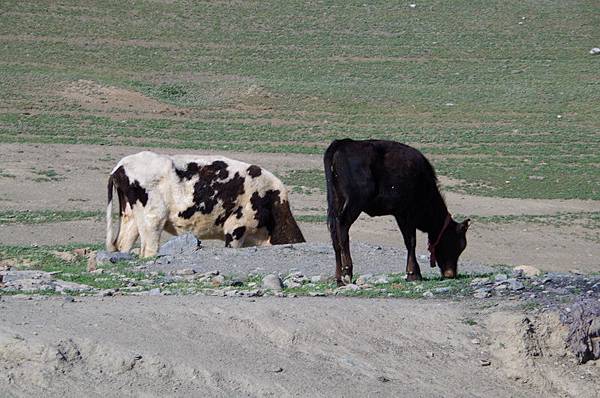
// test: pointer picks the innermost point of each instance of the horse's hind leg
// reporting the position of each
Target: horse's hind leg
(341, 246)
(409, 233)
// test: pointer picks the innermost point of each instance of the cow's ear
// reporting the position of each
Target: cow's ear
(463, 226)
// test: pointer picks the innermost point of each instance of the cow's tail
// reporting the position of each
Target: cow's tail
(285, 228)
(111, 239)
(332, 204)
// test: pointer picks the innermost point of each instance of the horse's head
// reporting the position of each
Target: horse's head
(451, 244)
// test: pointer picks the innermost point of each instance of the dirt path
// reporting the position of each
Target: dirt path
(231, 347)
(77, 175)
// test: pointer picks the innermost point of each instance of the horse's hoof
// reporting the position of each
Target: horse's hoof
(413, 277)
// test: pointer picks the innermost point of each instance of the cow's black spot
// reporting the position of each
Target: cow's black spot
(209, 190)
(228, 240)
(238, 212)
(238, 233)
(254, 171)
(263, 205)
(132, 192)
(235, 235)
(217, 169)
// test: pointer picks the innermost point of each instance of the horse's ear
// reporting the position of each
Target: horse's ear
(463, 226)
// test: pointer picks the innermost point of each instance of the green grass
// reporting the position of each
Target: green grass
(483, 101)
(46, 216)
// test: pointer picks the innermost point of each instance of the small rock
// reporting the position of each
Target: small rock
(484, 362)
(500, 278)
(82, 251)
(316, 279)
(291, 284)
(363, 279)
(476, 341)
(595, 51)
(65, 256)
(98, 271)
(482, 293)
(272, 282)
(217, 280)
(277, 369)
(382, 379)
(441, 290)
(515, 284)
(112, 257)
(316, 294)
(528, 270)
(154, 292)
(69, 299)
(576, 272)
(480, 281)
(185, 271)
(428, 294)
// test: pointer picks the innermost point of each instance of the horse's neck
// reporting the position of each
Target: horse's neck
(437, 216)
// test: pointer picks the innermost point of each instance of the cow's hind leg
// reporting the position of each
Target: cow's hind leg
(128, 232)
(409, 233)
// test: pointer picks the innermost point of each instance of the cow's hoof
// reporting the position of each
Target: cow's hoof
(413, 277)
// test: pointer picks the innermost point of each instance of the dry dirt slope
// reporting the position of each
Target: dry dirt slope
(207, 346)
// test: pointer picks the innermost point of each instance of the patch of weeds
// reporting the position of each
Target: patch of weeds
(47, 175)
(303, 181)
(4, 174)
(469, 321)
(46, 216)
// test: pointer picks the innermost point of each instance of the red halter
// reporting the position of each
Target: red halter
(431, 246)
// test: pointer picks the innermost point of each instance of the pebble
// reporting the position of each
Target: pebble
(528, 270)
(69, 299)
(428, 294)
(484, 362)
(595, 51)
(112, 257)
(316, 294)
(217, 280)
(154, 292)
(500, 278)
(440, 290)
(482, 293)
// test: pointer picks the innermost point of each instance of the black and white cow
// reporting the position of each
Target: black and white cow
(212, 197)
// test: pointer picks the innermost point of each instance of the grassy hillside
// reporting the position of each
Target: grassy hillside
(502, 95)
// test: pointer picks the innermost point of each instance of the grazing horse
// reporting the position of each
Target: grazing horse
(389, 178)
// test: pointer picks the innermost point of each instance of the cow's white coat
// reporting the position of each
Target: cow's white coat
(168, 195)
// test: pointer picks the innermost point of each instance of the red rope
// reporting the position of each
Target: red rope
(431, 247)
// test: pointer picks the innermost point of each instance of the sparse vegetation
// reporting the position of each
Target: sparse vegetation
(46, 216)
(507, 106)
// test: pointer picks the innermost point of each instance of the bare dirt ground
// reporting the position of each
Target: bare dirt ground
(80, 184)
(183, 346)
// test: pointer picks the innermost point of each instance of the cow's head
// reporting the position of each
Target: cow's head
(452, 243)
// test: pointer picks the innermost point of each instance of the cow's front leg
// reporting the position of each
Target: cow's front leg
(235, 236)
(150, 225)
(413, 272)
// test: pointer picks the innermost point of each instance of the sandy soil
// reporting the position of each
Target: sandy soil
(181, 346)
(80, 185)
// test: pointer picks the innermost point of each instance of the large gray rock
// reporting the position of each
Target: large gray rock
(183, 244)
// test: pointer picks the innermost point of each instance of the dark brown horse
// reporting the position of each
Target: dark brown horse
(389, 178)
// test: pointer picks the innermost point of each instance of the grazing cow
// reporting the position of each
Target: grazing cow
(388, 178)
(210, 196)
